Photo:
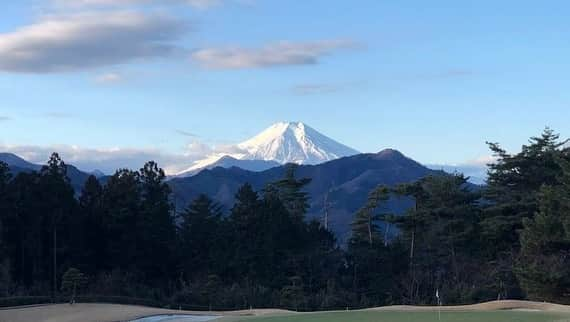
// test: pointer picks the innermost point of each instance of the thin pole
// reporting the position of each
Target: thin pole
(54, 261)
(439, 306)
(326, 219)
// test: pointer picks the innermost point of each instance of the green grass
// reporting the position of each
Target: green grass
(370, 316)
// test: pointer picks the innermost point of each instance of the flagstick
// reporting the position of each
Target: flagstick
(438, 305)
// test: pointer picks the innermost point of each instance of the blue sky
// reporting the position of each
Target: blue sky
(171, 79)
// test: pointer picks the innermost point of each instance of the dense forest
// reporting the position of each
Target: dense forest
(507, 240)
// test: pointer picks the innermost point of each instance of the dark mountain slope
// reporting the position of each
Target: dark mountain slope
(347, 181)
(230, 162)
(17, 165)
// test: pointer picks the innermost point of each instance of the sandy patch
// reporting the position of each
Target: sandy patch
(488, 306)
(119, 313)
(83, 312)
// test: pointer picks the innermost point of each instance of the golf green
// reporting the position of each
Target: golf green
(379, 316)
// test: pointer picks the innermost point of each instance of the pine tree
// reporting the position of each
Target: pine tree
(5, 202)
(513, 194)
(91, 205)
(72, 282)
(58, 200)
(122, 202)
(368, 254)
(200, 224)
(5, 214)
(245, 222)
(544, 264)
(440, 232)
(156, 223)
(290, 191)
(365, 225)
(513, 186)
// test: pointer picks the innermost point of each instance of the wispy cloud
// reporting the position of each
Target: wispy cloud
(476, 169)
(119, 3)
(63, 43)
(58, 115)
(482, 160)
(109, 78)
(111, 159)
(272, 55)
(315, 89)
(186, 133)
(451, 73)
(5, 118)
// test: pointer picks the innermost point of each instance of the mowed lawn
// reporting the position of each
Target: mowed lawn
(376, 316)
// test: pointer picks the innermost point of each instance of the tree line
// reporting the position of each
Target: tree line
(507, 240)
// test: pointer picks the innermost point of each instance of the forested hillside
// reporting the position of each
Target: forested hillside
(337, 188)
(125, 238)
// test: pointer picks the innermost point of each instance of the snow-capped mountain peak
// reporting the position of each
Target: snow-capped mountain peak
(283, 142)
(294, 142)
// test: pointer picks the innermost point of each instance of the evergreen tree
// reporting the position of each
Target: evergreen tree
(365, 225)
(280, 236)
(92, 210)
(513, 187)
(245, 222)
(122, 202)
(440, 233)
(59, 204)
(198, 233)
(25, 230)
(290, 191)
(5, 213)
(544, 265)
(156, 223)
(368, 255)
(512, 194)
(5, 202)
(72, 282)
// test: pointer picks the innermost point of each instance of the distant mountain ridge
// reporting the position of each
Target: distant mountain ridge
(18, 165)
(345, 182)
(281, 143)
(230, 162)
(16, 162)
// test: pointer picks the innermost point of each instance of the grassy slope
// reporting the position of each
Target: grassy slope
(371, 316)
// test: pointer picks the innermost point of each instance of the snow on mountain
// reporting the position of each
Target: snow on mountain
(229, 162)
(293, 143)
(284, 142)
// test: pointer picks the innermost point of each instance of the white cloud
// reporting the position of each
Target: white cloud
(276, 54)
(314, 89)
(186, 133)
(58, 115)
(109, 78)
(118, 3)
(197, 149)
(110, 159)
(106, 160)
(476, 168)
(482, 160)
(80, 41)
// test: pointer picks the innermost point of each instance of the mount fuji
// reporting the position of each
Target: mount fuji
(281, 143)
